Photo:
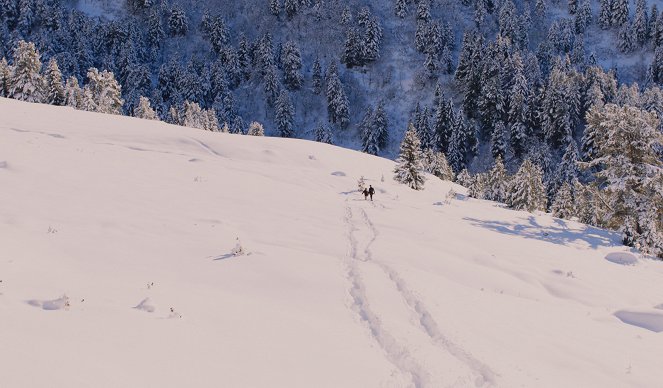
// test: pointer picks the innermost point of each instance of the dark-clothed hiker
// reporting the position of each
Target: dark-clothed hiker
(365, 192)
(371, 191)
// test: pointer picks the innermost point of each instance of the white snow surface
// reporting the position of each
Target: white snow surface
(406, 291)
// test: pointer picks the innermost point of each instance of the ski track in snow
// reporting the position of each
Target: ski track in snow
(398, 355)
(484, 375)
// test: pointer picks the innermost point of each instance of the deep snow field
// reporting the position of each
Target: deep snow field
(107, 223)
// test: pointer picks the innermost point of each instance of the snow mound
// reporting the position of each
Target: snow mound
(622, 258)
(338, 173)
(54, 304)
(146, 305)
(649, 321)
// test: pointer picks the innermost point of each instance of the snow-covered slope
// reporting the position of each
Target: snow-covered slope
(130, 219)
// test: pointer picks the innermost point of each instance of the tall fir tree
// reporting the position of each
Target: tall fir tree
(409, 165)
(527, 190)
(285, 115)
(54, 83)
(291, 59)
(26, 82)
(144, 110)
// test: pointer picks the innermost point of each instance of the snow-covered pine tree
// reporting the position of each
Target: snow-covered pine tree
(381, 125)
(629, 166)
(26, 82)
(372, 41)
(568, 170)
(498, 141)
(291, 59)
(457, 143)
(572, 6)
(102, 93)
(563, 206)
(656, 68)
(497, 182)
(436, 163)
(270, 84)
(605, 14)
(5, 73)
(54, 83)
(423, 10)
(317, 77)
(625, 38)
(583, 17)
(337, 101)
(478, 187)
(73, 94)
(409, 167)
(641, 23)
(619, 12)
(256, 129)
(424, 131)
(291, 7)
(527, 190)
(400, 8)
(275, 7)
(520, 100)
(353, 50)
(443, 123)
(464, 178)
(178, 23)
(144, 110)
(323, 134)
(285, 115)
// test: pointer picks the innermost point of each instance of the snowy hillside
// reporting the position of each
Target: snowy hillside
(134, 221)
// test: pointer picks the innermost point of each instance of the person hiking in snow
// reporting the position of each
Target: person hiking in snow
(365, 192)
(371, 191)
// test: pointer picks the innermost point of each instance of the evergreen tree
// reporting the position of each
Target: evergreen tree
(656, 68)
(352, 53)
(641, 23)
(102, 93)
(583, 17)
(323, 134)
(619, 12)
(178, 24)
(519, 109)
(291, 7)
(605, 14)
(424, 131)
(317, 77)
(5, 74)
(285, 114)
(423, 10)
(54, 84)
(436, 163)
(497, 182)
(563, 206)
(271, 85)
(498, 141)
(464, 178)
(381, 125)
(443, 123)
(155, 33)
(144, 110)
(73, 94)
(292, 64)
(409, 167)
(256, 129)
(527, 190)
(275, 7)
(625, 39)
(372, 41)
(629, 166)
(400, 8)
(573, 6)
(337, 101)
(26, 82)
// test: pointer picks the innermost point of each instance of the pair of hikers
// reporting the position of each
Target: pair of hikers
(370, 191)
